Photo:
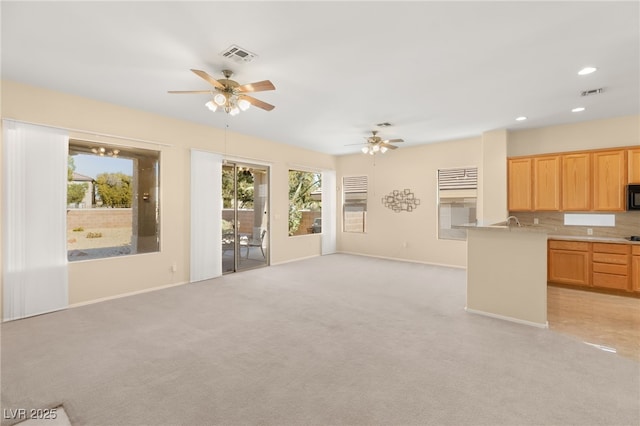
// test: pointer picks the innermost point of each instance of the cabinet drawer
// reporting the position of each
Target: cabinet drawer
(619, 259)
(610, 281)
(635, 250)
(608, 268)
(611, 248)
(569, 245)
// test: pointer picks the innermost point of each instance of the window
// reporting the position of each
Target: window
(112, 201)
(305, 202)
(457, 195)
(354, 204)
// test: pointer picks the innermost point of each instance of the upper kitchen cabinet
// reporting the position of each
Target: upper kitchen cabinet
(609, 177)
(576, 182)
(546, 183)
(519, 184)
(593, 180)
(633, 160)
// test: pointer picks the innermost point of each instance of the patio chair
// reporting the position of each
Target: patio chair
(256, 243)
(228, 241)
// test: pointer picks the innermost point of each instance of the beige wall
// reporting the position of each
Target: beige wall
(410, 236)
(608, 133)
(492, 177)
(90, 280)
(507, 274)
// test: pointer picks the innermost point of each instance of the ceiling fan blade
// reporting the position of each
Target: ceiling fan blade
(215, 83)
(393, 141)
(257, 103)
(189, 91)
(386, 145)
(361, 143)
(259, 86)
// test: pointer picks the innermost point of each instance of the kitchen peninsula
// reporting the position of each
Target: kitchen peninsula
(507, 272)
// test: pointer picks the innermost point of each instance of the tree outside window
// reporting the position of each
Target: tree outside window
(305, 202)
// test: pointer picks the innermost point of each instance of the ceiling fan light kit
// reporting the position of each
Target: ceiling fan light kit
(375, 144)
(102, 151)
(229, 96)
(372, 150)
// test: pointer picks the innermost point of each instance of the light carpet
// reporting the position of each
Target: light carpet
(332, 340)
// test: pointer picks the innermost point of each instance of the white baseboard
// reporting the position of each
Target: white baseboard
(297, 259)
(511, 319)
(118, 296)
(399, 259)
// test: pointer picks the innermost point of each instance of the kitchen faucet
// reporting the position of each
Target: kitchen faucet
(514, 218)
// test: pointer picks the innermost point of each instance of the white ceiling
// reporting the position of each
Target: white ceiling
(436, 70)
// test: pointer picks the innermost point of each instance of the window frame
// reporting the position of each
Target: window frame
(146, 217)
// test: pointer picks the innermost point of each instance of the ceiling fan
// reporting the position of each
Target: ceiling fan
(230, 96)
(375, 144)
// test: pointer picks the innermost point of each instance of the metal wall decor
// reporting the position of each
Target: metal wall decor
(399, 201)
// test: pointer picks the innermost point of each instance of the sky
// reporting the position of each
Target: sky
(93, 165)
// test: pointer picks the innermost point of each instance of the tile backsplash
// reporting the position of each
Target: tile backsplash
(627, 224)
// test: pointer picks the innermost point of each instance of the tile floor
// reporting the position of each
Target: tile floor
(601, 319)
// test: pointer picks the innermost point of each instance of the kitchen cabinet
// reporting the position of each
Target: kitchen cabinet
(568, 262)
(602, 265)
(546, 183)
(633, 161)
(611, 265)
(635, 268)
(519, 184)
(592, 180)
(608, 180)
(576, 181)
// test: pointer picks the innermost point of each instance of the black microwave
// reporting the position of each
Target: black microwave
(633, 197)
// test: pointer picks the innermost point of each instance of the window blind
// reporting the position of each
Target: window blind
(466, 178)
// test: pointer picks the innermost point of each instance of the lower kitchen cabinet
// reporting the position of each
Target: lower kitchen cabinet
(568, 262)
(611, 265)
(598, 265)
(635, 269)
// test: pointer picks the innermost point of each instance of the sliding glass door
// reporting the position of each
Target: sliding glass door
(245, 224)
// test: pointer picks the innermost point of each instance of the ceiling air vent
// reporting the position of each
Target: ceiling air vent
(591, 92)
(238, 54)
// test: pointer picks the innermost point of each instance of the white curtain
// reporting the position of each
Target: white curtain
(328, 212)
(34, 249)
(206, 215)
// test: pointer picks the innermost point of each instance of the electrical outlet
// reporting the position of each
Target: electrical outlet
(589, 231)
(174, 268)
(536, 221)
(404, 244)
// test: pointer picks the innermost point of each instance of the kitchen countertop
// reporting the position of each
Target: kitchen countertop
(613, 240)
(502, 227)
(549, 230)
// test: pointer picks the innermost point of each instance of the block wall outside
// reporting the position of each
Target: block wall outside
(99, 218)
(246, 217)
(306, 222)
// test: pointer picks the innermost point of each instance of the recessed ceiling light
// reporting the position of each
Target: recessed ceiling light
(587, 70)
(521, 118)
(579, 109)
